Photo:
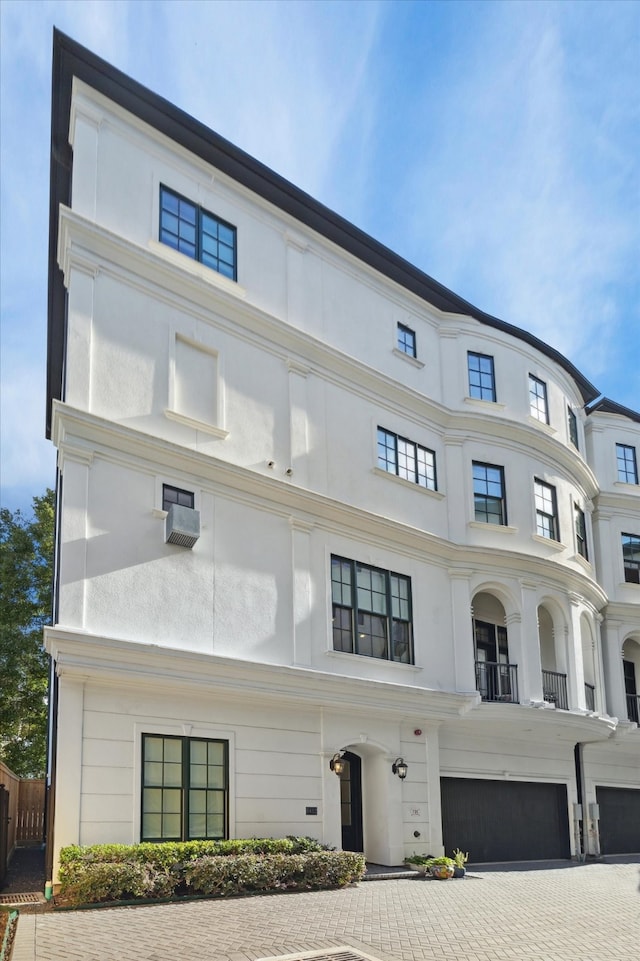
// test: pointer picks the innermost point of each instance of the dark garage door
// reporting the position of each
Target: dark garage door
(619, 820)
(505, 820)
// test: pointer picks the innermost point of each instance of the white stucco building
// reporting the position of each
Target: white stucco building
(311, 503)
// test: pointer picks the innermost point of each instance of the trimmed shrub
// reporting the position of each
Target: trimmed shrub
(122, 872)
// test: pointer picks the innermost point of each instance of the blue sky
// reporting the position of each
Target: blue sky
(495, 145)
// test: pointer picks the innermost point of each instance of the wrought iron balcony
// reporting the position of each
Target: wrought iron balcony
(633, 707)
(497, 682)
(590, 696)
(554, 689)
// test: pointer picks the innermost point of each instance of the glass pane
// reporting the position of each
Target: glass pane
(153, 748)
(215, 802)
(169, 239)
(151, 825)
(171, 826)
(198, 775)
(170, 223)
(209, 225)
(226, 235)
(188, 233)
(209, 245)
(152, 772)
(215, 825)
(152, 800)
(216, 776)
(225, 269)
(215, 753)
(186, 248)
(172, 775)
(197, 802)
(197, 825)
(198, 751)
(169, 201)
(171, 801)
(225, 253)
(187, 212)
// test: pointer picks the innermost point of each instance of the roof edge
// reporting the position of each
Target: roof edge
(72, 59)
(606, 406)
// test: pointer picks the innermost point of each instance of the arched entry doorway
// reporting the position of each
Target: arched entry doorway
(351, 802)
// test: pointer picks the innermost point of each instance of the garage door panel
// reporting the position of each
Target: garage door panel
(505, 820)
(619, 820)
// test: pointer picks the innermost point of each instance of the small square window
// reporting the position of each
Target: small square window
(482, 382)
(627, 464)
(538, 406)
(174, 495)
(402, 457)
(407, 340)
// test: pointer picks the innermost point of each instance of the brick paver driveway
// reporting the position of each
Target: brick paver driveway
(571, 913)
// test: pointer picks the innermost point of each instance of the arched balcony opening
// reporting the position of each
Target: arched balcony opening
(552, 660)
(631, 667)
(496, 676)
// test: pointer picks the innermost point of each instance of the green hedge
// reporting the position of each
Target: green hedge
(123, 872)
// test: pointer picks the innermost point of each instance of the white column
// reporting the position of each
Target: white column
(75, 466)
(461, 615)
(530, 667)
(575, 670)
(458, 487)
(298, 433)
(434, 801)
(68, 765)
(301, 590)
(611, 633)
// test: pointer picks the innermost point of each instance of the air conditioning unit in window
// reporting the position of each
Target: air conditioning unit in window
(182, 526)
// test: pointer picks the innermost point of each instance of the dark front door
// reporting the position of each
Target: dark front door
(351, 802)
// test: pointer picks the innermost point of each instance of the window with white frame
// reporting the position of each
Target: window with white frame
(546, 510)
(627, 464)
(408, 460)
(538, 406)
(371, 610)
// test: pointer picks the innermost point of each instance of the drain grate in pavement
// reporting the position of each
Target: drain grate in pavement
(344, 953)
(33, 898)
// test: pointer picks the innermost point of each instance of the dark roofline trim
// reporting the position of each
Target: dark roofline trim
(71, 59)
(606, 406)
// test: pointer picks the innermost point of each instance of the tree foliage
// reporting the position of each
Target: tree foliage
(26, 573)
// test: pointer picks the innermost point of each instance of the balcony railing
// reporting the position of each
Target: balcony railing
(497, 682)
(554, 689)
(633, 707)
(590, 696)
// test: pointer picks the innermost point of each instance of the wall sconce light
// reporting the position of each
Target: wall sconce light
(337, 764)
(400, 767)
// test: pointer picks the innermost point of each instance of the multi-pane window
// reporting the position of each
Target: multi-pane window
(581, 532)
(371, 611)
(631, 558)
(400, 456)
(546, 510)
(482, 383)
(627, 464)
(184, 788)
(538, 406)
(572, 423)
(173, 495)
(407, 340)
(488, 494)
(197, 233)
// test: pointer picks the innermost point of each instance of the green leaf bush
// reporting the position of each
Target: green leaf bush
(124, 872)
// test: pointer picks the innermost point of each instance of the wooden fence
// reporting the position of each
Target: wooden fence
(24, 820)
